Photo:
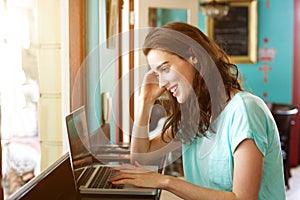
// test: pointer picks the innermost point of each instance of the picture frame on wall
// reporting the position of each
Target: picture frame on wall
(111, 22)
(236, 32)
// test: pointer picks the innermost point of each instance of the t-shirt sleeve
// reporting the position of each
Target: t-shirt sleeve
(250, 122)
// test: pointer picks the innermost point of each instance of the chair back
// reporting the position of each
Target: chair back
(284, 115)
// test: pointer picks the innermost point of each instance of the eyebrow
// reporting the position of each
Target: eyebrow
(159, 66)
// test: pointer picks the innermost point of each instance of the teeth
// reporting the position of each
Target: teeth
(173, 89)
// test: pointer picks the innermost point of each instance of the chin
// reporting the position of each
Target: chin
(180, 100)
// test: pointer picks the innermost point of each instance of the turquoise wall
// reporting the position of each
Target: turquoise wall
(99, 64)
(168, 16)
(91, 64)
(276, 24)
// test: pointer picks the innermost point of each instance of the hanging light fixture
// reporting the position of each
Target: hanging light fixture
(214, 9)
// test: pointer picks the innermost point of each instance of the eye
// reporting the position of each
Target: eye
(165, 68)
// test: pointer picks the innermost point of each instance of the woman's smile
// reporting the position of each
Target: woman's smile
(173, 89)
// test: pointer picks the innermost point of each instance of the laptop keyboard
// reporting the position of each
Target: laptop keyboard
(86, 175)
(101, 179)
(78, 172)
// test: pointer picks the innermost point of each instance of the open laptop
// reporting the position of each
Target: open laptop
(90, 177)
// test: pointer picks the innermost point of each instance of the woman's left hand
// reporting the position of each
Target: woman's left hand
(137, 176)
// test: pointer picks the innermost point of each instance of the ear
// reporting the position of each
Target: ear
(193, 60)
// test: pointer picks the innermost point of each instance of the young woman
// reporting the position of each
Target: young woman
(230, 142)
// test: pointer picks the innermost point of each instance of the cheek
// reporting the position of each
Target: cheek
(190, 77)
(178, 76)
(172, 76)
(186, 73)
(187, 90)
(186, 80)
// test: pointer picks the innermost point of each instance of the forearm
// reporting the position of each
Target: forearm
(143, 149)
(140, 133)
(190, 191)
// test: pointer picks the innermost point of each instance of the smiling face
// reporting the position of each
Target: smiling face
(174, 73)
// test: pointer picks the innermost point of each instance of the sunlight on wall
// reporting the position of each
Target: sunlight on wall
(19, 93)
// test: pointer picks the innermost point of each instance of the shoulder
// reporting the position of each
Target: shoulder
(250, 118)
(249, 103)
(249, 113)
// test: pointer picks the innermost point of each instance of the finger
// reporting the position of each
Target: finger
(150, 71)
(124, 167)
(123, 182)
(134, 171)
(131, 168)
(137, 164)
(120, 176)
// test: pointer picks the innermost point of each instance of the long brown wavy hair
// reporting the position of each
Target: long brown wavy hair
(185, 124)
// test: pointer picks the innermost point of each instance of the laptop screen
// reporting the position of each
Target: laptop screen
(78, 138)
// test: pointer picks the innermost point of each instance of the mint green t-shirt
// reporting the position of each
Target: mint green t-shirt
(209, 161)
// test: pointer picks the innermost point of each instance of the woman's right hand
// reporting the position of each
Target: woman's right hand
(150, 89)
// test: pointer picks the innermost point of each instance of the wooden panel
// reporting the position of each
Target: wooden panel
(77, 55)
(56, 182)
(131, 67)
(118, 76)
